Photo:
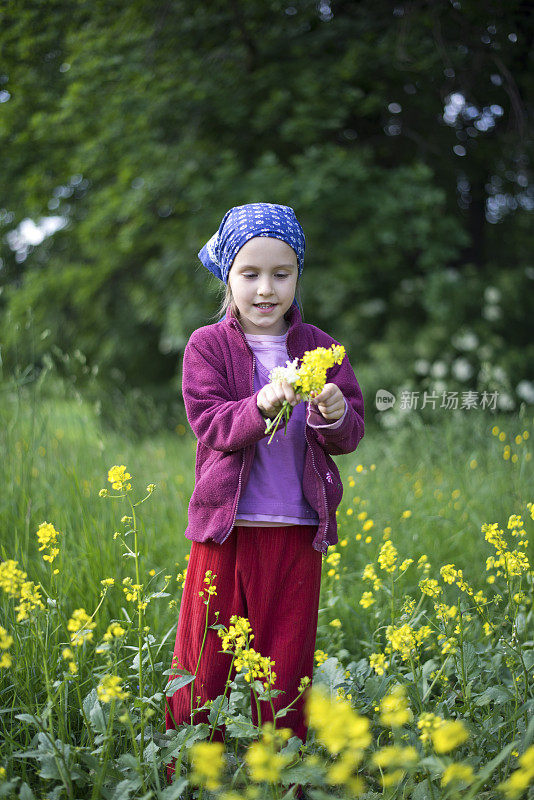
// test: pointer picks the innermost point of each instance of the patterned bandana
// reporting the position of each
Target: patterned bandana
(242, 223)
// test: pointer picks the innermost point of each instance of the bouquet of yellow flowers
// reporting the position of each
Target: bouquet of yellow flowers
(309, 378)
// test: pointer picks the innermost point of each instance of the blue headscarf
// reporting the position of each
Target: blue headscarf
(242, 223)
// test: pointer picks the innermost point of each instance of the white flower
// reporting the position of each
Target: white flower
(525, 390)
(491, 313)
(504, 401)
(421, 366)
(462, 369)
(289, 373)
(492, 294)
(465, 341)
(439, 369)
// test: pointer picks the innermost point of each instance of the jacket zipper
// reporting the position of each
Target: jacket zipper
(243, 458)
(316, 472)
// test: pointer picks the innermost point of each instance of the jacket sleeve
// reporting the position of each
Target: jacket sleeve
(216, 418)
(343, 438)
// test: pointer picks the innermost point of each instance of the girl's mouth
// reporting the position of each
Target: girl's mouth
(265, 307)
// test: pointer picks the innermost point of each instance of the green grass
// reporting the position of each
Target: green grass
(428, 486)
(57, 455)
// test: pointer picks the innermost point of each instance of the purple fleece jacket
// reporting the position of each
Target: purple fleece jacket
(220, 402)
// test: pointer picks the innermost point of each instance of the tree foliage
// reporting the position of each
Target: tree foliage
(400, 134)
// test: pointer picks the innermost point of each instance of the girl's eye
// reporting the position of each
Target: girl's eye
(277, 275)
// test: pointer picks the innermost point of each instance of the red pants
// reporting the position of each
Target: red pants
(272, 576)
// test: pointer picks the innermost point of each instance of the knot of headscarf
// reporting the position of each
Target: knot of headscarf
(242, 223)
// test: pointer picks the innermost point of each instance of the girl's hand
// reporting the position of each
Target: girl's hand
(330, 402)
(271, 398)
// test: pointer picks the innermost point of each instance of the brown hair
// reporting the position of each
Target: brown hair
(228, 302)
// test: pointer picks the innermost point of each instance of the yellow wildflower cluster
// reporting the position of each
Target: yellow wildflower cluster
(210, 588)
(257, 666)
(207, 759)
(449, 735)
(394, 708)
(47, 536)
(312, 371)
(320, 657)
(367, 599)
(378, 662)
(134, 592)
(237, 639)
(445, 612)
(396, 759)
(511, 562)
(307, 380)
(80, 627)
(119, 477)
(238, 634)
(388, 556)
(333, 560)
(458, 773)
(337, 725)
(430, 587)
(369, 574)
(427, 724)
(263, 758)
(114, 630)
(405, 639)
(13, 582)
(6, 640)
(521, 778)
(69, 656)
(110, 688)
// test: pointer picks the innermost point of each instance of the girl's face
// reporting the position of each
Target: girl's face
(263, 278)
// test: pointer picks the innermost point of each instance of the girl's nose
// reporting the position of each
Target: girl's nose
(265, 287)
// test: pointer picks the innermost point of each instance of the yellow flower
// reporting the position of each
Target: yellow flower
(367, 599)
(405, 564)
(118, 477)
(114, 629)
(320, 657)
(387, 556)
(13, 582)
(521, 778)
(263, 763)
(6, 640)
(430, 587)
(110, 689)
(47, 536)
(80, 627)
(337, 725)
(394, 756)
(457, 772)
(394, 708)
(367, 525)
(449, 736)
(427, 723)
(336, 623)
(208, 762)
(377, 661)
(402, 639)
(449, 573)
(406, 514)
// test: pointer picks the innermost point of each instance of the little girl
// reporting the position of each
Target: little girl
(261, 515)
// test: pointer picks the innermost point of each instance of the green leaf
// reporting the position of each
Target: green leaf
(26, 793)
(178, 683)
(125, 789)
(175, 790)
(29, 718)
(495, 694)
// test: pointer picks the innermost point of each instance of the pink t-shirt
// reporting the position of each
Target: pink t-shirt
(274, 490)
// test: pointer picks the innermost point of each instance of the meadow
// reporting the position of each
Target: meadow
(425, 646)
